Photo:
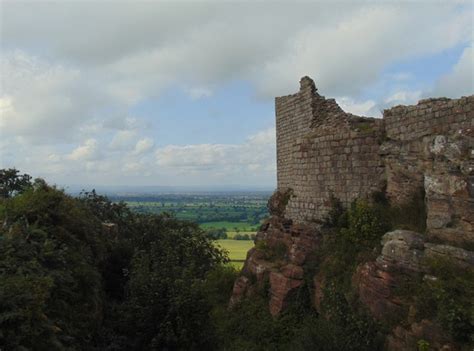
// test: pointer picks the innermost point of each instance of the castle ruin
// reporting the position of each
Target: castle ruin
(323, 151)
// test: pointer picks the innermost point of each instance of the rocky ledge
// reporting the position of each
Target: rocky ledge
(277, 263)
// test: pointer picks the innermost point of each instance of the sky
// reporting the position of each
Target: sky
(182, 93)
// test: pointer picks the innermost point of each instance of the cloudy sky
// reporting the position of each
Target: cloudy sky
(182, 93)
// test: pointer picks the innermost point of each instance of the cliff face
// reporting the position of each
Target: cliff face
(325, 153)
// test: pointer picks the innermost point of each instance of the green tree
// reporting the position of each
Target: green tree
(12, 182)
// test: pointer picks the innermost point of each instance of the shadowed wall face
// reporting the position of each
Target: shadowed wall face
(323, 151)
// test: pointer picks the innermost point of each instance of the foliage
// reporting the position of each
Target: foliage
(242, 237)
(336, 213)
(68, 284)
(12, 182)
(216, 233)
(365, 226)
(50, 291)
(423, 345)
(158, 283)
(165, 304)
(449, 298)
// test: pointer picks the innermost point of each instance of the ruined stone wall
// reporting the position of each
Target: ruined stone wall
(430, 146)
(323, 151)
(294, 114)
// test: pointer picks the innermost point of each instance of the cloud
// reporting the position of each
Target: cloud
(48, 102)
(122, 139)
(345, 46)
(143, 145)
(360, 108)
(460, 81)
(87, 151)
(404, 97)
(201, 156)
(256, 153)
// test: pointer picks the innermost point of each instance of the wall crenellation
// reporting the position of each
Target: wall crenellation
(324, 151)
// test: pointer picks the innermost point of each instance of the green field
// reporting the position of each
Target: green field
(231, 234)
(237, 250)
(231, 226)
(238, 208)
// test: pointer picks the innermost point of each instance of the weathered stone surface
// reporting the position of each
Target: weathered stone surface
(281, 288)
(278, 202)
(240, 289)
(285, 272)
(375, 288)
(461, 257)
(402, 249)
(292, 271)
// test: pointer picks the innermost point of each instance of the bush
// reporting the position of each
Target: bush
(66, 284)
(366, 226)
(449, 298)
(51, 293)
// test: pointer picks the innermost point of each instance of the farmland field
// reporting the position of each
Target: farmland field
(232, 215)
(236, 210)
(237, 250)
(231, 226)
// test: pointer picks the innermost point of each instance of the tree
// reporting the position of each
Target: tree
(11, 182)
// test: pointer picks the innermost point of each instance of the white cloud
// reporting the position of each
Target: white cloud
(258, 152)
(403, 97)
(88, 151)
(351, 52)
(122, 139)
(460, 81)
(143, 145)
(345, 46)
(201, 156)
(43, 100)
(360, 108)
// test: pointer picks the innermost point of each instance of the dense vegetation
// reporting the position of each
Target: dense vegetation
(87, 273)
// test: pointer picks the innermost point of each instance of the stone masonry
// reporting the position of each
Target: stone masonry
(323, 151)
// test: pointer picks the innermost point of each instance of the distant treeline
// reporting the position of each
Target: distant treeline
(249, 208)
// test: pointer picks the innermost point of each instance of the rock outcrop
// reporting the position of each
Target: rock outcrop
(323, 152)
(276, 261)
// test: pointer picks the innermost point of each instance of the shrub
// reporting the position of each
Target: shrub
(449, 298)
(366, 225)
